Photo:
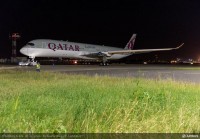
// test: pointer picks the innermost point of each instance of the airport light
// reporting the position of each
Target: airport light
(14, 37)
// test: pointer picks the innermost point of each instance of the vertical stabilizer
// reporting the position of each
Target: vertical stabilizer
(130, 44)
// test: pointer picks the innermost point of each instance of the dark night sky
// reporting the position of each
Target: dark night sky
(158, 24)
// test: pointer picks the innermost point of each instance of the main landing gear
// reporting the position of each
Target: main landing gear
(104, 64)
(104, 61)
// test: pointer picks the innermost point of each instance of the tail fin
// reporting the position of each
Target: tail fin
(130, 44)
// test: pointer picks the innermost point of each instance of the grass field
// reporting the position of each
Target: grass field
(60, 103)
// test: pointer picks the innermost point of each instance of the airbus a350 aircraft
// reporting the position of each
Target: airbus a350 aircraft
(73, 50)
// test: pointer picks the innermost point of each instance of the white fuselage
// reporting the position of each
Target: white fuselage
(73, 50)
(65, 49)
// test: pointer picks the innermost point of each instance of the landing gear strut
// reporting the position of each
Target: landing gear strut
(104, 61)
(32, 59)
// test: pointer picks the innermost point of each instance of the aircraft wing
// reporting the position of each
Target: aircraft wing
(142, 50)
(110, 53)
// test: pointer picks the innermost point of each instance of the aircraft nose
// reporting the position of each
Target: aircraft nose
(23, 51)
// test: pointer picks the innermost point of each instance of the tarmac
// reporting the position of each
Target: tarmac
(183, 73)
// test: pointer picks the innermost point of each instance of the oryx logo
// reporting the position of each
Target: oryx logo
(131, 43)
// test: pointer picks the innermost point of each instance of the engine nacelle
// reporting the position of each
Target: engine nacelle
(104, 54)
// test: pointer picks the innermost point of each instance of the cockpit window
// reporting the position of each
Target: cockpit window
(31, 44)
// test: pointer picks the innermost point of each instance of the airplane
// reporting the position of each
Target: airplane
(74, 50)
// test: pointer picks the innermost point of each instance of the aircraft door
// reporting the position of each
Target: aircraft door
(44, 44)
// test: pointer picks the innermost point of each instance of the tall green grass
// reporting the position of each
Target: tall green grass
(60, 103)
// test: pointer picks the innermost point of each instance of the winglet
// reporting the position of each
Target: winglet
(179, 46)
